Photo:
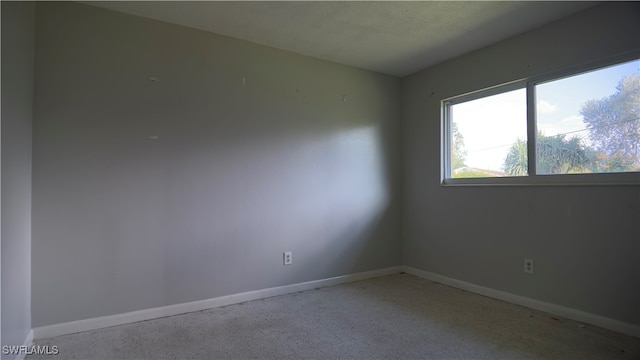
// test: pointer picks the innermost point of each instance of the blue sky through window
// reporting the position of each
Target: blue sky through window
(559, 102)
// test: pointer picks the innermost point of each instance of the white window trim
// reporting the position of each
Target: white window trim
(533, 179)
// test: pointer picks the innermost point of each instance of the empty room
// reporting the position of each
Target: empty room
(320, 180)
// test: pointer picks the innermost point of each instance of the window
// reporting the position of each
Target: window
(573, 127)
(477, 150)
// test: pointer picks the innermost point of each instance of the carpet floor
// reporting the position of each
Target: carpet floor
(393, 317)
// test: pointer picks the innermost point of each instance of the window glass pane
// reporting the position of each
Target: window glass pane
(488, 136)
(590, 123)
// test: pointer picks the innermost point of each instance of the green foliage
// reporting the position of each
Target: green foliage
(555, 155)
(515, 164)
(607, 163)
(472, 173)
(614, 127)
(459, 153)
(613, 123)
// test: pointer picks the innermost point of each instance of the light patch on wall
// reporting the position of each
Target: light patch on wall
(359, 195)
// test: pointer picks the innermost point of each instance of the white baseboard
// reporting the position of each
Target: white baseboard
(562, 311)
(28, 341)
(154, 313)
(159, 312)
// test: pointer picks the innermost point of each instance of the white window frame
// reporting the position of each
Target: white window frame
(627, 178)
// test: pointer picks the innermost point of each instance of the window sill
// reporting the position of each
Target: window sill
(612, 179)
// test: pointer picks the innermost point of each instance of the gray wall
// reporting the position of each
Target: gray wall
(585, 240)
(17, 113)
(299, 157)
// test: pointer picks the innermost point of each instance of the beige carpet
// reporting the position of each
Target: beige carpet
(393, 317)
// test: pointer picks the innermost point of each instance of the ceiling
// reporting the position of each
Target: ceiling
(392, 37)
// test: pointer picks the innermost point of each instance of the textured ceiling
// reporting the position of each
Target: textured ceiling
(391, 37)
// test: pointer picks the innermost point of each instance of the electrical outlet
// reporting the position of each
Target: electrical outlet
(287, 258)
(528, 266)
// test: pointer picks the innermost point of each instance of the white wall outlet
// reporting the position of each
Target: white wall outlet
(287, 258)
(528, 266)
